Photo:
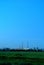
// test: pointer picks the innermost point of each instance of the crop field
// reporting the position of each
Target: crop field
(21, 58)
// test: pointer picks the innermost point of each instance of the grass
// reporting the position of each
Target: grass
(35, 58)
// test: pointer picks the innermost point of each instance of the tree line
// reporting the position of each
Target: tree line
(34, 50)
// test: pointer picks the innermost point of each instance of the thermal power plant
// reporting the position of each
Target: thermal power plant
(23, 47)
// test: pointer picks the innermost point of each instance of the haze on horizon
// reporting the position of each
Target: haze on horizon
(21, 21)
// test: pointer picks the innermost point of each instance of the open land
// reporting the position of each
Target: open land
(21, 58)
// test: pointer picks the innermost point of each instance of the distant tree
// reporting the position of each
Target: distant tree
(6, 49)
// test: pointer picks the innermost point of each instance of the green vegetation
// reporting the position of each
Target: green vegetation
(17, 58)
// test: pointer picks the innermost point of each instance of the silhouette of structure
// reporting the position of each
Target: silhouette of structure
(27, 44)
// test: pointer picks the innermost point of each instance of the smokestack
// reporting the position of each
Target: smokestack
(28, 44)
(22, 45)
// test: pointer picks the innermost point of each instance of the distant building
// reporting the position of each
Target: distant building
(25, 48)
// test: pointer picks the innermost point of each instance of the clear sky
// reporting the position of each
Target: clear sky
(21, 21)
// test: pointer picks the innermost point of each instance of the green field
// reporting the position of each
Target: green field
(17, 58)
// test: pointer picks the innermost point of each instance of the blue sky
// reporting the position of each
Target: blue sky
(21, 21)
